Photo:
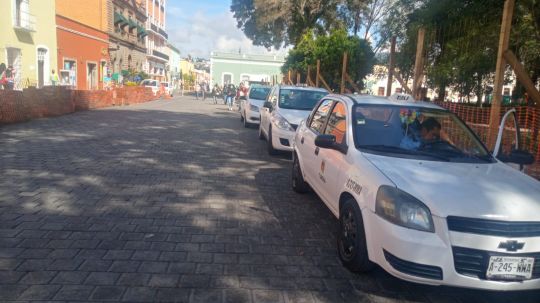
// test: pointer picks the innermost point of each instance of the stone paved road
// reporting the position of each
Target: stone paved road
(173, 201)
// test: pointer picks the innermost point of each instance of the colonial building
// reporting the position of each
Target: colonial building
(173, 65)
(28, 41)
(83, 42)
(156, 42)
(127, 34)
(235, 68)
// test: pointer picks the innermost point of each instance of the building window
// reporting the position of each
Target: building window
(69, 73)
(14, 60)
(381, 91)
(399, 90)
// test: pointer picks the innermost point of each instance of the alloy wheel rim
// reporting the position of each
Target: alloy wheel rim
(348, 234)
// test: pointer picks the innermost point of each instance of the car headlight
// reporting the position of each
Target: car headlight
(281, 122)
(253, 108)
(403, 209)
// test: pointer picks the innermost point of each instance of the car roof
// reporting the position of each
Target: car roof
(396, 99)
(309, 88)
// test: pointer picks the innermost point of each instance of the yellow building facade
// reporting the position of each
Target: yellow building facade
(28, 40)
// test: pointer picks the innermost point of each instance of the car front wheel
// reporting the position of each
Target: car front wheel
(269, 146)
(298, 183)
(246, 124)
(351, 240)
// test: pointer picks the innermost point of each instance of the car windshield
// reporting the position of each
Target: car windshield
(259, 93)
(416, 132)
(165, 84)
(301, 99)
(148, 83)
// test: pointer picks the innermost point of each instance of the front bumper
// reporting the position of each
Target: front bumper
(418, 256)
(252, 117)
(282, 139)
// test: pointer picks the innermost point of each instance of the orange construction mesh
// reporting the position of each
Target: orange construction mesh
(528, 118)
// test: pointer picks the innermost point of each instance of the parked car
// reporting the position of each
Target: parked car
(167, 88)
(153, 84)
(417, 193)
(251, 105)
(285, 107)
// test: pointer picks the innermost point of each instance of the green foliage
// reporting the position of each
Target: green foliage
(280, 23)
(329, 49)
(188, 79)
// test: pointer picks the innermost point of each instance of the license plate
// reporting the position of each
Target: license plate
(510, 268)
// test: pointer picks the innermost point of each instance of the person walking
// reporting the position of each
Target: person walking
(3, 78)
(10, 76)
(54, 78)
(216, 91)
(230, 96)
(197, 90)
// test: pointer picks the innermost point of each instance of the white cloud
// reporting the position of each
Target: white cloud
(200, 33)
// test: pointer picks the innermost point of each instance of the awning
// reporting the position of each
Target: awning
(132, 24)
(141, 31)
(119, 18)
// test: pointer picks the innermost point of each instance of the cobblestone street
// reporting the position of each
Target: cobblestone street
(172, 200)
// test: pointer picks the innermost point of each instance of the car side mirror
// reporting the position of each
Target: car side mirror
(325, 141)
(267, 105)
(520, 157)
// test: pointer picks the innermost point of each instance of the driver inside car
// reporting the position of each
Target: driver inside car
(429, 131)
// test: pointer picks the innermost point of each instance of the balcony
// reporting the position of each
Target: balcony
(24, 21)
(150, 26)
(160, 55)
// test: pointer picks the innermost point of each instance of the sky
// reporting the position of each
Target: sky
(197, 27)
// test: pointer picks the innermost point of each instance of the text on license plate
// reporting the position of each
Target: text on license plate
(510, 268)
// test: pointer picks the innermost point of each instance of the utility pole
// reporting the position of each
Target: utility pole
(504, 38)
(419, 63)
(391, 67)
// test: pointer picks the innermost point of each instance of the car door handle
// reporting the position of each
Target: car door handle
(302, 140)
(317, 151)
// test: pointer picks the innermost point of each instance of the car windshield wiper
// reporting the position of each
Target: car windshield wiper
(400, 150)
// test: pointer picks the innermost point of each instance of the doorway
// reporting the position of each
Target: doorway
(42, 57)
(91, 76)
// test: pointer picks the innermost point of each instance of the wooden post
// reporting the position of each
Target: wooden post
(298, 78)
(403, 84)
(391, 67)
(523, 76)
(504, 38)
(343, 73)
(419, 63)
(318, 73)
(308, 76)
(289, 78)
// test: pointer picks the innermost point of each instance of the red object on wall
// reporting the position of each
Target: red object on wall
(85, 46)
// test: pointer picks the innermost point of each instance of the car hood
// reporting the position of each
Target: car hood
(488, 191)
(294, 116)
(256, 102)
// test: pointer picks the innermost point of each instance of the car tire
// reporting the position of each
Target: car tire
(298, 183)
(242, 119)
(269, 146)
(261, 135)
(246, 124)
(351, 240)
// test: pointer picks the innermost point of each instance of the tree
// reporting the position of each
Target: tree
(329, 49)
(278, 23)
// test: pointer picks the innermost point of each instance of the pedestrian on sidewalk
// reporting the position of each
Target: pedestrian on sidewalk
(216, 91)
(230, 96)
(3, 78)
(54, 78)
(197, 90)
(10, 76)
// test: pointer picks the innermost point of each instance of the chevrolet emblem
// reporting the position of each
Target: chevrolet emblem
(511, 245)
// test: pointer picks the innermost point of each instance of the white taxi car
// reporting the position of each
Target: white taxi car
(251, 105)
(285, 107)
(417, 193)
